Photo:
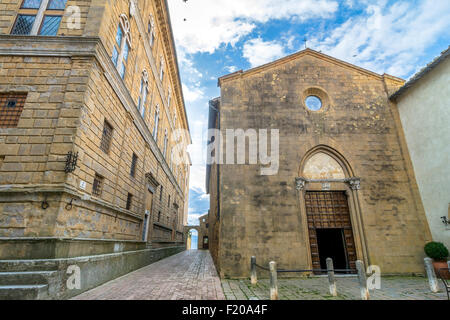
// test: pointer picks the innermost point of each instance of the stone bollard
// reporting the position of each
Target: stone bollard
(362, 280)
(432, 280)
(273, 281)
(331, 279)
(253, 276)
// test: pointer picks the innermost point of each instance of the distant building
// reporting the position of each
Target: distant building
(424, 107)
(203, 233)
(344, 187)
(92, 121)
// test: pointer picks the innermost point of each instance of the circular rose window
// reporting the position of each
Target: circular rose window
(313, 103)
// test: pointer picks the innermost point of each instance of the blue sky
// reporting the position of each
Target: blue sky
(217, 37)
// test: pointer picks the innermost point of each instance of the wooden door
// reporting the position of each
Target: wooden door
(329, 210)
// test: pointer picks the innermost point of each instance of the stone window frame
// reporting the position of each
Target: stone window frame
(97, 185)
(151, 31)
(143, 93)
(161, 69)
(156, 124)
(166, 142)
(169, 96)
(175, 119)
(134, 160)
(171, 159)
(129, 202)
(10, 115)
(319, 93)
(126, 39)
(107, 134)
(40, 14)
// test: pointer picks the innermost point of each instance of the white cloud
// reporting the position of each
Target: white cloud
(259, 52)
(388, 39)
(209, 24)
(192, 94)
(231, 69)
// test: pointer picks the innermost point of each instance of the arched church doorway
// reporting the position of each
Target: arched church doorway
(325, 183)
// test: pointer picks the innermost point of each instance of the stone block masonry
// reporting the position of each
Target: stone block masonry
(87, 142)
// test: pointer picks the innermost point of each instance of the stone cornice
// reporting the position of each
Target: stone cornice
(169, 42)
(64, 188)
(88, 47)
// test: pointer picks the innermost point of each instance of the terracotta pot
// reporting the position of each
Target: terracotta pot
(441, 265)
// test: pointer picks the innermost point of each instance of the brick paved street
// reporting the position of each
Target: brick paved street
(191, 275)
(187, 275)
(392, 288)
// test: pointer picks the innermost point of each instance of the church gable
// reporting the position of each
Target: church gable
(306, 58)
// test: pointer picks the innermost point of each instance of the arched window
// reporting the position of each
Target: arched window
(166, 140)
(161, 69)
(156, 124)
(151, 31)
(122, 45)
(143, 93)
(169, 97)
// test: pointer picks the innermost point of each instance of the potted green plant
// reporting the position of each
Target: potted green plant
(439, 253)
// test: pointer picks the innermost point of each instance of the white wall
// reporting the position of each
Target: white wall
(425, 114)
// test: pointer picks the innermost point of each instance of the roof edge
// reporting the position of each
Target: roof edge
(309, 51)
(419, 75)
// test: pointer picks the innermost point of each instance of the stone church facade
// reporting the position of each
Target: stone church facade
(344, 188)
(93, 129)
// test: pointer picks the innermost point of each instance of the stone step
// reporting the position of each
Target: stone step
(26, 278)
(28, 265)
(24, 292)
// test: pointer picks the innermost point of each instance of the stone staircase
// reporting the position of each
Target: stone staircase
(26, 280)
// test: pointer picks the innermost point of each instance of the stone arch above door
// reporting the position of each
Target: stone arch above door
(322, 166)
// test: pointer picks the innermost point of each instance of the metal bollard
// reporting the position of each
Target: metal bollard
(331, 279)
(273, 281)
(432, 280)
(362, 280)
(253, 276)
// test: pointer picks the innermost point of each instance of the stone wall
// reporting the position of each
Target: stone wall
(265, 216)
(425, 115)
(72, 87)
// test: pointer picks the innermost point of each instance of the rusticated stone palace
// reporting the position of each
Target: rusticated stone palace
(344, 188)
(92, 123)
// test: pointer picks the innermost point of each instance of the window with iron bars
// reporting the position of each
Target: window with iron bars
(105, 143)
(133, 165)
(39, 17)
(11, 107)
(97, 186)
(129, 201)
